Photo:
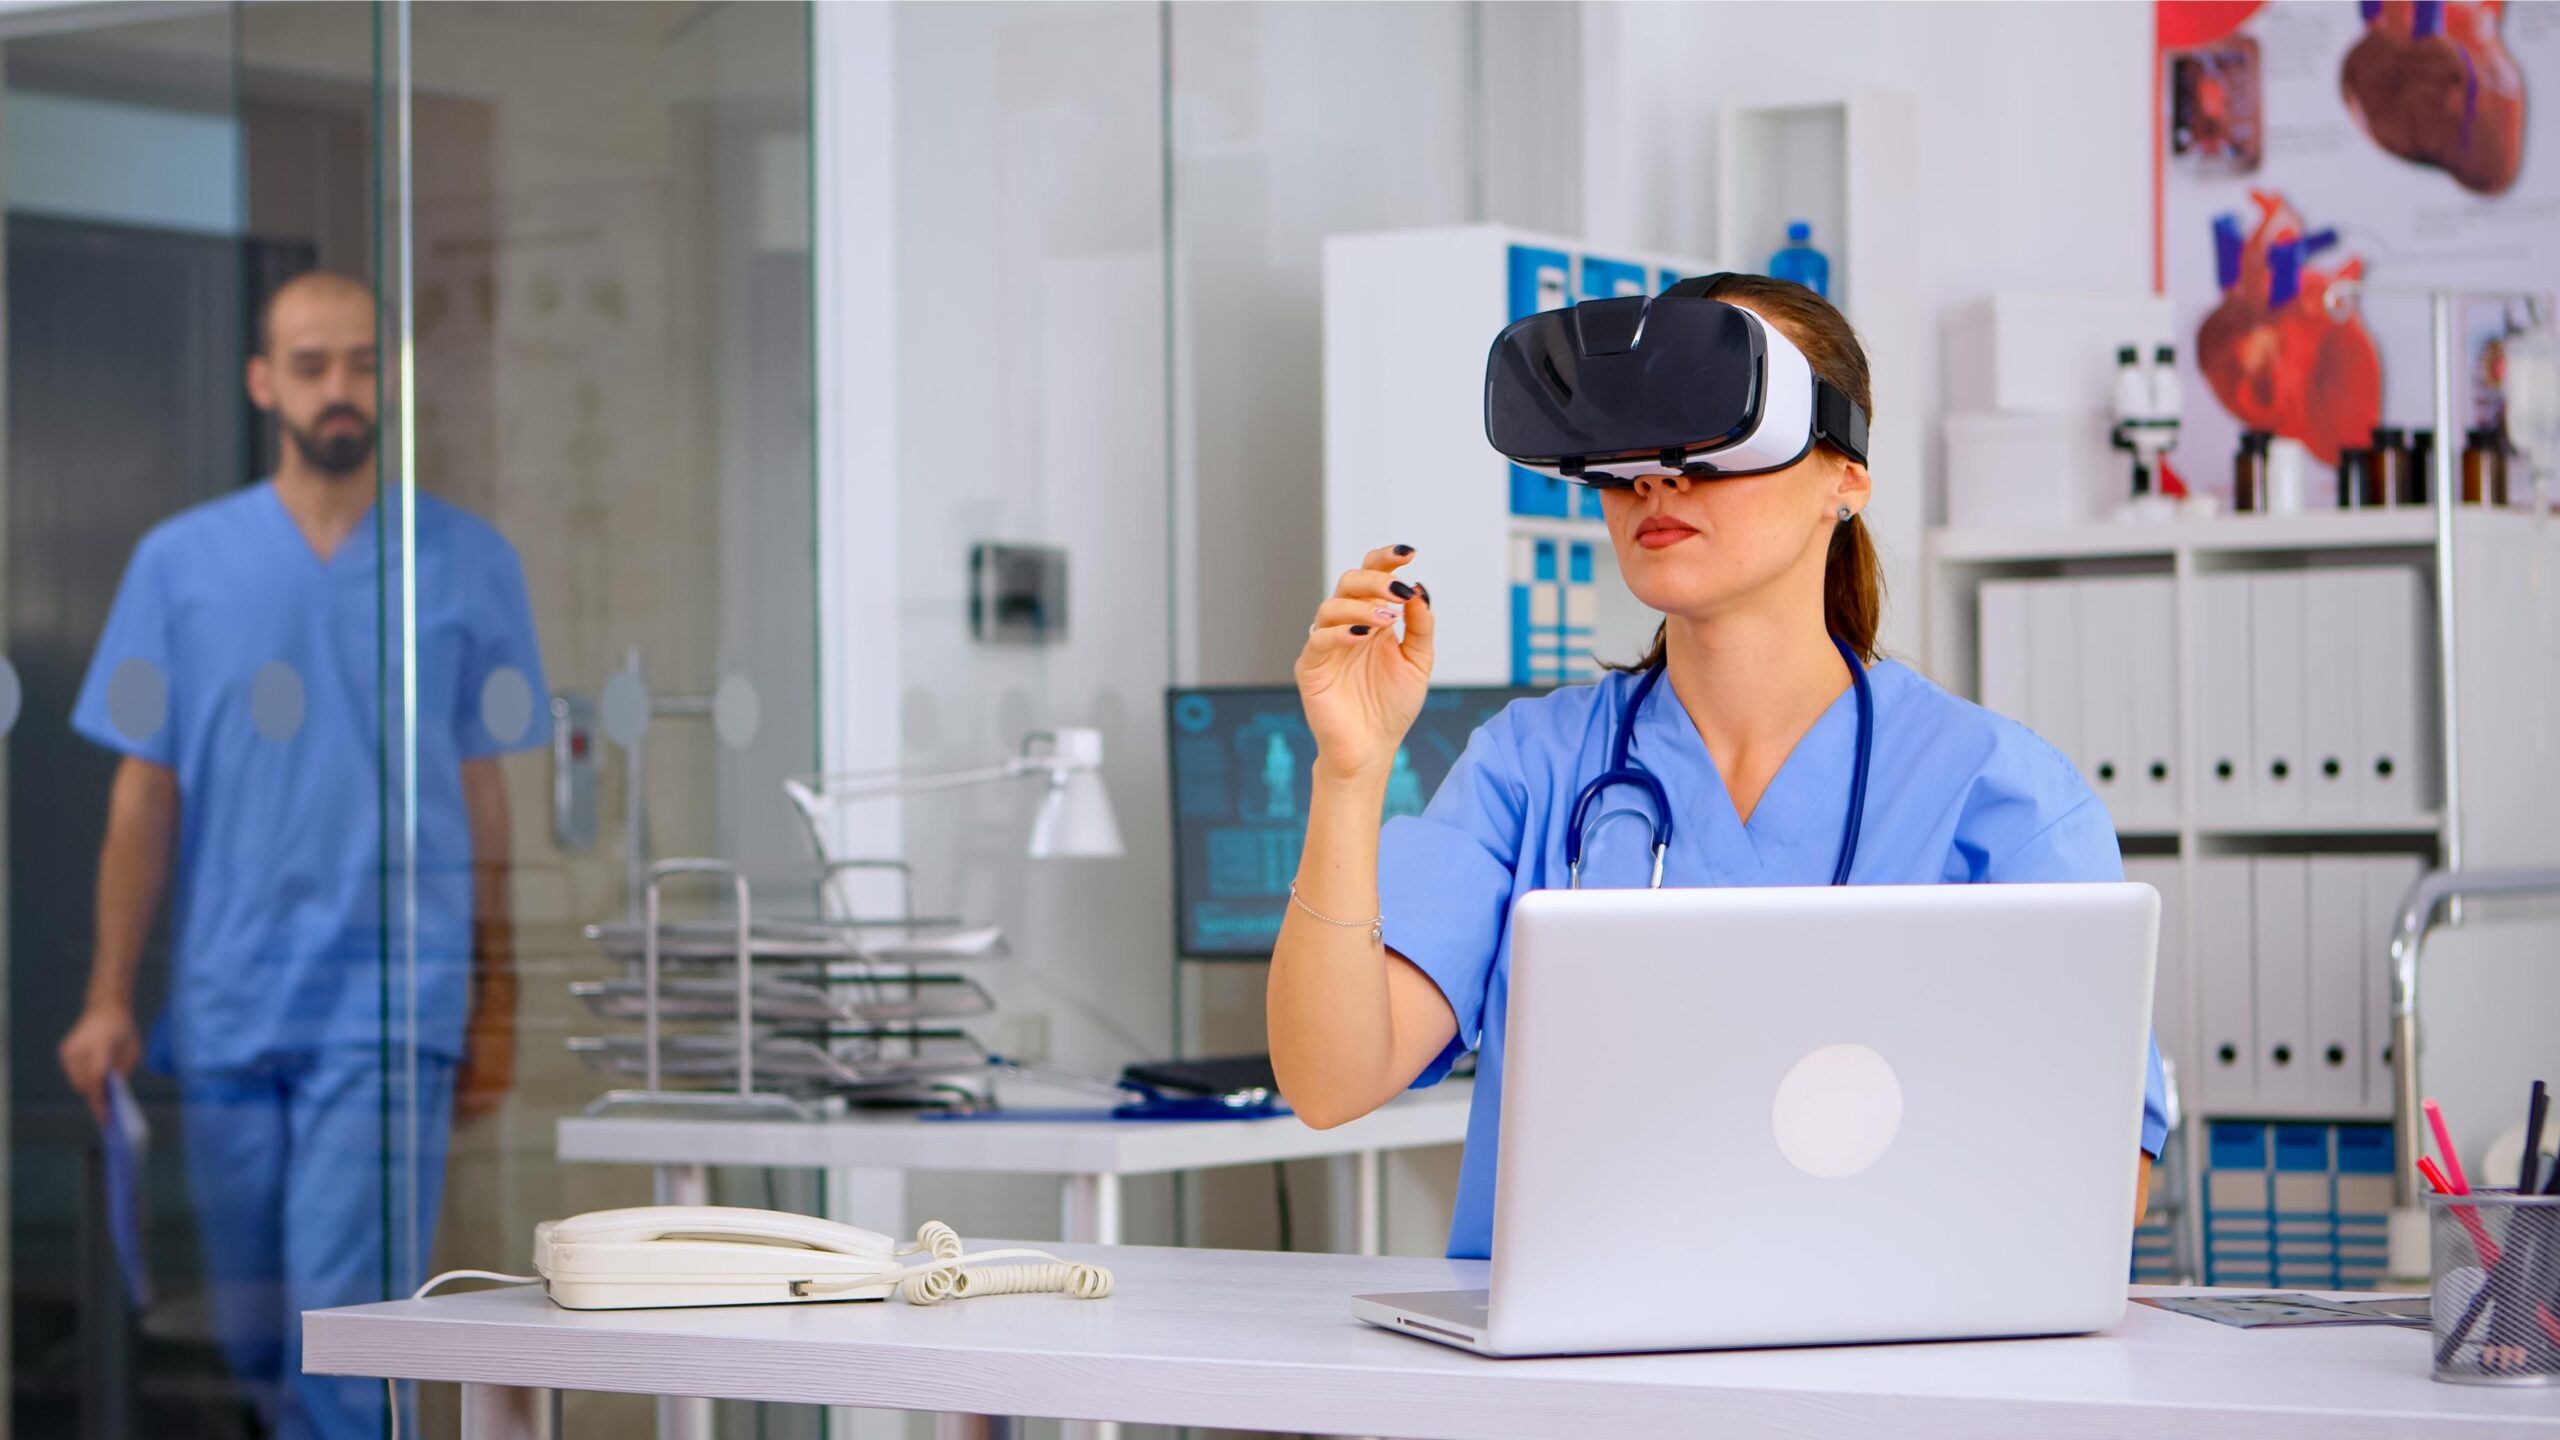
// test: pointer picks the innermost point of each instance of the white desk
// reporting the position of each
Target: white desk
(866, 1156)
(1265, 1341)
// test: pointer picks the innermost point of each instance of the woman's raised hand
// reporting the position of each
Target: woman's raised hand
(1362, 684)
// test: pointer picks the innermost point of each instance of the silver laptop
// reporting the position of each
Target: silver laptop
(1741, 1117)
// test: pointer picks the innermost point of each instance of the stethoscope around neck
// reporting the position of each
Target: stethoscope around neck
(1624, 771)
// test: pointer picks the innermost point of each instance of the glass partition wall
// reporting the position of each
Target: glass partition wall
(408, 509)
(432, 716)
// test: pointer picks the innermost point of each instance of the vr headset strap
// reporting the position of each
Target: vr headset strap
(1836, 417)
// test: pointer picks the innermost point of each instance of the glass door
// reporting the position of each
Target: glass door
(209, 1128)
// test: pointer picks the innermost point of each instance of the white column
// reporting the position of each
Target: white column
(853, 92)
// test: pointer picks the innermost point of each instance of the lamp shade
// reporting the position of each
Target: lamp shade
(1075, 819)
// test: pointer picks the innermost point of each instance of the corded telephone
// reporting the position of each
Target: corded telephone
(665, 1256)
(674, 1255)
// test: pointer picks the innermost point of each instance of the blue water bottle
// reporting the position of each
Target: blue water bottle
(1802, 263)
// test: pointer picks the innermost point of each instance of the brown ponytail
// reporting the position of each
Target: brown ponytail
(1852, 579)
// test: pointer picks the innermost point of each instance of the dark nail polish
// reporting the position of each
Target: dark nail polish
(1404, 549)
(1426, 593)
(1359, 629)
(1399, 589)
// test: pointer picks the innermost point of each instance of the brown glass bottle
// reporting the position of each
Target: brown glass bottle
(2417, 488)
(2389, 479)
(2484, 467)
(2249, 472)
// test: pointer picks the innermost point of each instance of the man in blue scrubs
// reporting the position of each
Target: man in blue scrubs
(252, 676)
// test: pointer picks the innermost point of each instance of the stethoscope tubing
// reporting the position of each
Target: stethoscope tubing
(1623, 770)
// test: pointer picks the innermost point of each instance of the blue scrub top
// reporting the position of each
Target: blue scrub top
(258, 672)
(1955, 795)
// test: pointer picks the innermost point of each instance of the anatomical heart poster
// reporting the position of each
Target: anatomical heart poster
(2301, 143)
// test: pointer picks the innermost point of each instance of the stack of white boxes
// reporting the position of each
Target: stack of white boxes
(2030, 390)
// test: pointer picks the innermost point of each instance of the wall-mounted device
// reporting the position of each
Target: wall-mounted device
(1018, 594)
(573, 773)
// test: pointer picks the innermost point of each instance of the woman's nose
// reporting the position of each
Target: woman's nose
(1674, 484)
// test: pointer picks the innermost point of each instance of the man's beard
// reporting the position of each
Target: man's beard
(339, 454)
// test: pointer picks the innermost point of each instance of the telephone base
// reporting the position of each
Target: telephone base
(678, 1295)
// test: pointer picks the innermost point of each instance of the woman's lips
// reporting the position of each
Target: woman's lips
(1659, 531)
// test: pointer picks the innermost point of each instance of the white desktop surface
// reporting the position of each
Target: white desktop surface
(1265, 1341)
(1437, 1116)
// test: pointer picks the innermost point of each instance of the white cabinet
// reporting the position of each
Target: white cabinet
(1519, 564)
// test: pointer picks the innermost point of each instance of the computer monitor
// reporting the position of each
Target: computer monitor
(1240, 757)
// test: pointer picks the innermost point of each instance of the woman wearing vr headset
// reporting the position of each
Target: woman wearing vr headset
(1761, 741)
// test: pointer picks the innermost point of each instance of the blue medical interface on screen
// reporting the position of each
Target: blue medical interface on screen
(1240, 782)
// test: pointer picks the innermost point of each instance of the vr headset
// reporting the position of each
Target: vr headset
(1609, 391)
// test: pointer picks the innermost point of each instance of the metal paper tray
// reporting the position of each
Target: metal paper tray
(889, 943)
(792, 1002)
(845, 1063)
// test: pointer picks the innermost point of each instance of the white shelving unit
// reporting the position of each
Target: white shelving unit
(1848, 162)
(1408, 318)
(2490, 687)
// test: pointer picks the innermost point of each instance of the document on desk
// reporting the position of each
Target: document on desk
(126, 1139)
(2287, 1308)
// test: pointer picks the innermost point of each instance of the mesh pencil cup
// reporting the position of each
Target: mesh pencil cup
(2496, 1295)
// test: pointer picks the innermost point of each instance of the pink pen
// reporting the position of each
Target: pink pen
(2444, 1146)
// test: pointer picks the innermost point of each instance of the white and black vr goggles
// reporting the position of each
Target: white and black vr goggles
(1609, 391)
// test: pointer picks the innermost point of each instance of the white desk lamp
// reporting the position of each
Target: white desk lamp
(1075, 819)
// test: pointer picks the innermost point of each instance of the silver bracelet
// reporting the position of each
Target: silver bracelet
(1377, 927)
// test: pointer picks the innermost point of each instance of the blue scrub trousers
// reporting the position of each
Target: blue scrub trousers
(286, 1163)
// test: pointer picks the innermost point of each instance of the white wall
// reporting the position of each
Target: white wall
(2033, 141)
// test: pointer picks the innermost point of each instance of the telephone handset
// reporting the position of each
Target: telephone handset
(676, 1255)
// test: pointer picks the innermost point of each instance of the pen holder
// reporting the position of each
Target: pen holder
(2496, 1294)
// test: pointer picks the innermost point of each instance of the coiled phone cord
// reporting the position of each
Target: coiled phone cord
(942, 1277)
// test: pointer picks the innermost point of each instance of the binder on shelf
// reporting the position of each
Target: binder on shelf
(2330, 619)
(1610, 279)
(1524, 629)
(2363, 1205)
(1541, 279)
(2338, 930)
(2169, 972)
(2303, 1206)
(2276, 696)
(2386, 879)
(2239, 1223)
(2223, 681)
(1581, 617)
(2338, 985)
(2392, 616)
(2226, 1046)
(2053, 667)
(2000, 648)
(2280, 964)
(2103, 659)
(2153, 608)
